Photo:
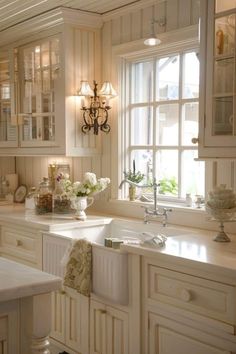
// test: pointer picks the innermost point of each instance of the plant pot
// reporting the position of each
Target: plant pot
(132, 193)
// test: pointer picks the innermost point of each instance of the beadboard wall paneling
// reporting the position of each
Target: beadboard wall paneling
(7, 165)
(31, 170)
(131, 26)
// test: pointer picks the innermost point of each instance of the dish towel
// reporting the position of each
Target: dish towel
(78, 272)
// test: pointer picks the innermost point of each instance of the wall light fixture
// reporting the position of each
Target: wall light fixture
(153, 40)
(95, 115)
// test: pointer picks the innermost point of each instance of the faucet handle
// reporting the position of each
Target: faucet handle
(166, 210)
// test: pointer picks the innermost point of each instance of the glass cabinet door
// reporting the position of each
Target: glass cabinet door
(8, 120)
(40, 70)
(221, 74)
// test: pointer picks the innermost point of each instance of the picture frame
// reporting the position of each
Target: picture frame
(20, 194)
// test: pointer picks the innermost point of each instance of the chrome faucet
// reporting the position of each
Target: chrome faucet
(154, 212)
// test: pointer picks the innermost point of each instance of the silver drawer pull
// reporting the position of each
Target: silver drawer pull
(186, 295)
(19, 243)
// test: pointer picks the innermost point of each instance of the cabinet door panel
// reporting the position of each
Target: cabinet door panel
(97, 328)
(167, 337)
(58, 316)
(117, 331)
(77, 321)
(171, 342)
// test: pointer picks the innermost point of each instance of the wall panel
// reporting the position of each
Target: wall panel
(130, 26)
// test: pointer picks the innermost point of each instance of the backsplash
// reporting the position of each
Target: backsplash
(31, 170)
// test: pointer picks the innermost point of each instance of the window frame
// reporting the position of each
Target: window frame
(186, 44)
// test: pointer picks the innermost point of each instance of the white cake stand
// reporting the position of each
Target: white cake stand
(222, 216)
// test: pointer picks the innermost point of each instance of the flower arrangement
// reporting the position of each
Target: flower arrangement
(87, 188)
(133, 175)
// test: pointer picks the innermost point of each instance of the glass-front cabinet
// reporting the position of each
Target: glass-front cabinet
(40, 76)
(218, 78)
(8, 119)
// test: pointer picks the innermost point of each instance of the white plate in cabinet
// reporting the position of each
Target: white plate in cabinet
(198, 295)
(22, 245)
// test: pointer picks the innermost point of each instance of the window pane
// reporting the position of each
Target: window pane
(190, 75)
(168, 124)
(142, 82)
(193, 173)
(189, 122)
(143, 162)
(167, 171)
(168, 78)
(141, 126)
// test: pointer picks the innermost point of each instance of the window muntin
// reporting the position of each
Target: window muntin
(162, 116)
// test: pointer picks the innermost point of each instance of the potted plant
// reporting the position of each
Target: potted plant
(133, 176)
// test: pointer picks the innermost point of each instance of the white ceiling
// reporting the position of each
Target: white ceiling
(16, 11)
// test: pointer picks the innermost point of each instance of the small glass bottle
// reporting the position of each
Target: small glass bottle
(188, 200)
(61, 202)
(43, 198)
(29, 200)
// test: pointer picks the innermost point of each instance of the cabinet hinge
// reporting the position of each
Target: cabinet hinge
(148, 323)
(204, 120)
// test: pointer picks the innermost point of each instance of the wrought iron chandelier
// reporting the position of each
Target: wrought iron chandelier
(95, 116)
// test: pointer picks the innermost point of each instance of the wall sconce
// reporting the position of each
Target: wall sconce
(153, 40)
(95, 116)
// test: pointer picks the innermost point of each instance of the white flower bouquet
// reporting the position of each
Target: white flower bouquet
(87, 188)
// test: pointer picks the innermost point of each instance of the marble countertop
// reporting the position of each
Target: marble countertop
(48, 222)
(17, 281)
(197, 249)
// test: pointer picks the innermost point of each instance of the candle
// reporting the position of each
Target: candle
(134, 167)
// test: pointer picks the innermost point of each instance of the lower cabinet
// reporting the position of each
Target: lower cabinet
(9, 327)
(70, 320)
(108, 329)
(167, 337)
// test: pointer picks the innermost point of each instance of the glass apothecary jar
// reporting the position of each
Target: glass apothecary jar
(43, 198)
(61, 201)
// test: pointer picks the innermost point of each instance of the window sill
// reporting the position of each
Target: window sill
(181, 215)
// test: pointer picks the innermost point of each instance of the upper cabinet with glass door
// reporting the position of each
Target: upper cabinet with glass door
(8, 120)
(218, 104)
(39, 113)
(40, 86)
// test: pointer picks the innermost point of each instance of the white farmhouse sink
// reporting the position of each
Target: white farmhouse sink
(110, 267)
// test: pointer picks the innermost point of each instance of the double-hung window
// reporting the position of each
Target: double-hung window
(161, 118)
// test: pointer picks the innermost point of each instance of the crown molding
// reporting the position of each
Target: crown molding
(49, 20)
(142, 4)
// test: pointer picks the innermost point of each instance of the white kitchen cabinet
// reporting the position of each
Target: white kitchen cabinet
(70, 310)
(109, 329)
(217, 130)
(185, 311)
(21, 244)
(167, 336)
(70, 320)
(40, 112)
(8, 128)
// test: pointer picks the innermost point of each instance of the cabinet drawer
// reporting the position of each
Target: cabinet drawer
(22, 245)
(202, 296)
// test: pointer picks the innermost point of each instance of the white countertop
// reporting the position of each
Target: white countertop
(17, 281)
(17, 214)
(197, 249)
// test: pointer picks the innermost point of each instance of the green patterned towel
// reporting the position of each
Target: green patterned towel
(78, 272)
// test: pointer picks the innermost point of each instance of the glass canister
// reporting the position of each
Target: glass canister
(30, 199)
(61, 201)
(43, 198)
